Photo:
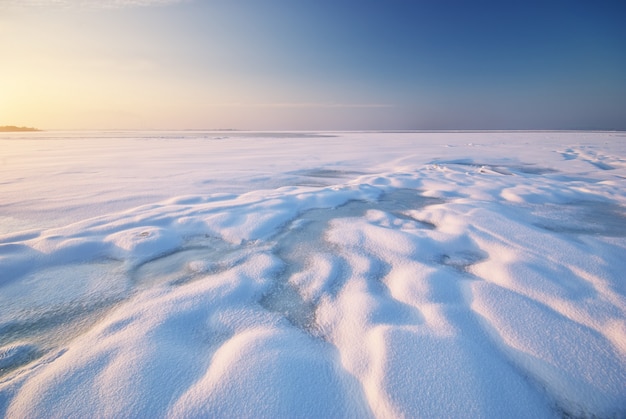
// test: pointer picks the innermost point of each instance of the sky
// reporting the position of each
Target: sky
(313, 64)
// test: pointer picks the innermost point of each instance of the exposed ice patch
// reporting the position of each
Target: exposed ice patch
(15, 355)
(461, 261)
(188, 263)
(505, 168)
(583, 217)
(304, 239)
(328, 173)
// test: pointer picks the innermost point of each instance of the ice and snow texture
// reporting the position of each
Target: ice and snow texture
(306, 275)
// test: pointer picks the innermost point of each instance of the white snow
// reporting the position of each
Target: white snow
(351, 274)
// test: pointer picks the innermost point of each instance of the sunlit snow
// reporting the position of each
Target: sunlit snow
(235, 274)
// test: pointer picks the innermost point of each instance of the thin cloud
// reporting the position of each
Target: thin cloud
(307, 105)
(95, 4)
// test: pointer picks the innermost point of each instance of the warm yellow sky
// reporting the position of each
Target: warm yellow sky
(154, 67)
(76, 68)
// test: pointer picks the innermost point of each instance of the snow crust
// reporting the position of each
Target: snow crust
(199, 274)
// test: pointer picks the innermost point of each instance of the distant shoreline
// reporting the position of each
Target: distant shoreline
(12, 128)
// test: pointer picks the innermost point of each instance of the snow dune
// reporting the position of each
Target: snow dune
(199, 274)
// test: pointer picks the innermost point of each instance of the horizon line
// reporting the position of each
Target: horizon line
(460, 130)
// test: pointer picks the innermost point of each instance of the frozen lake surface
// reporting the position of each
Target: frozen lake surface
(350, 274)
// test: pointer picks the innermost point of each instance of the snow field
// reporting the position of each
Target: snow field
(419, 276)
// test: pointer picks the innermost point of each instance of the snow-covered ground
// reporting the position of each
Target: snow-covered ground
(231, 274)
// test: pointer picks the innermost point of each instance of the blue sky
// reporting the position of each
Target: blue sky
(303, 64)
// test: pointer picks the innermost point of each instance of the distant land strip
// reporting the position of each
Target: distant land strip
(12, 128)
